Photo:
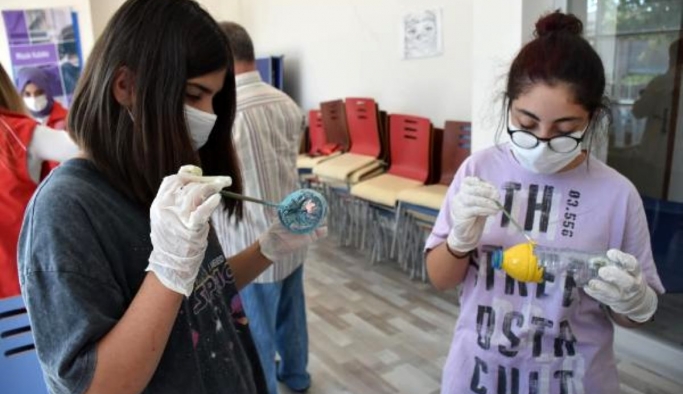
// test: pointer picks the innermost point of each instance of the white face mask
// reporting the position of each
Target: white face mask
(36, 103)
(542, 159)
(200, 124)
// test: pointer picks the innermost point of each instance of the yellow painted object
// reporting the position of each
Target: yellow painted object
(520, 263)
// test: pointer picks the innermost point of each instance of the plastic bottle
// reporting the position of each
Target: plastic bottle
(529, 262)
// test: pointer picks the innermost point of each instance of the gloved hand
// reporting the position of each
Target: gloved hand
(179, 218)
(623, 289)
(277, 241)
(475, 200)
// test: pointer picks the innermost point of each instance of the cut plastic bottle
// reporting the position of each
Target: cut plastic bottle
(529, 262)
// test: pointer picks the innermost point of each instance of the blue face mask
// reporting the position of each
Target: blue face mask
(199, 124)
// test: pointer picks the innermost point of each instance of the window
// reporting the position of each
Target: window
(642, 50)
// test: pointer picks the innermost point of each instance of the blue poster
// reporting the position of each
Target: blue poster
(48, 39)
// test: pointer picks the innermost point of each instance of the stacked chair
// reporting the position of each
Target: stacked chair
(418, 207)
(319, 150)
(385, 177)
(362, 161)
(363, 158)
(411, 145)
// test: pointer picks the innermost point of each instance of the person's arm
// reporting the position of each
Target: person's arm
(462, 218)
(52, 145)
(445, 269)
(623, 320)
(623, 289)
(248, 264)
(129, 354)
(275, 243)
(629, 289)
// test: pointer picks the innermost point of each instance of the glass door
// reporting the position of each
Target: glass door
(641, 45)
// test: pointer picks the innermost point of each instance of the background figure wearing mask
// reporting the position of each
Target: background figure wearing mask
(543, 337)
(267, 131)
(126, 285)
(24, 147)
(34, 86)
(69, 60)
(654, 104)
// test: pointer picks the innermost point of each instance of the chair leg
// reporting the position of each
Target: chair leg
(398, 230)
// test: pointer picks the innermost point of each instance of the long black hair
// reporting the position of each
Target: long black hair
(162, 43)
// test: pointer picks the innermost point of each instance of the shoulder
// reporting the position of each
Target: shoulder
(58, 111)
(66, 220)
(609, 178)
(72, 187)
(260, 94)
(58, 116)
(21, 124)
(493, 157)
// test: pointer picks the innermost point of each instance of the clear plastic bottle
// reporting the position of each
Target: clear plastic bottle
(528, 262)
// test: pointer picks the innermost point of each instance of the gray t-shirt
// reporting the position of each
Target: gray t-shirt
(83, 251)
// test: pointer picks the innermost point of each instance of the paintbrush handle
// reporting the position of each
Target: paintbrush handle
(513, 221)
(250, 199)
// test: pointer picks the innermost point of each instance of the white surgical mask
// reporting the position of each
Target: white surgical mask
(542, 159)
(199, 124)
(36, 103)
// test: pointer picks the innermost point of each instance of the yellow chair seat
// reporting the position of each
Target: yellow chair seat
(430, 196)
(340, 167)
(383, 189)
(361, 175)
(305, 161)
(367, 172)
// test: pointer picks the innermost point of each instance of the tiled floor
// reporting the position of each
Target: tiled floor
(373, 331)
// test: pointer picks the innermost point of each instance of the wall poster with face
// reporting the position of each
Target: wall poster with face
(421, 34)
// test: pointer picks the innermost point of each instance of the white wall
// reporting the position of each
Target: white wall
(340, 48)
(335, 49)
(82, 7)
(102, 11)
(499, 30)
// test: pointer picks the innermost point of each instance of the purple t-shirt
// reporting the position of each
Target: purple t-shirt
(551, 337)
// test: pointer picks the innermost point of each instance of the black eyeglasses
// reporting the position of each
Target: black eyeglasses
(528, 140)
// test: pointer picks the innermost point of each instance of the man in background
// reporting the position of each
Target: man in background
(267, 133)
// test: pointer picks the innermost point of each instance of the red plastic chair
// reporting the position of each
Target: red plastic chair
(364, 126)
(455, 149)
(410, 139)
(335, 124)
(316, 132)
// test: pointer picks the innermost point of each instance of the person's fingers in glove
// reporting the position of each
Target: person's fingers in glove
(477, 198)
(179, 221)
(623, 288)
(612, 284)
(195, 200)
(471, 205)
(278, 241)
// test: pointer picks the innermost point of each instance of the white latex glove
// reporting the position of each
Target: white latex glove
(179, 218)
(469, 208)
(623, 288)
(278, 242)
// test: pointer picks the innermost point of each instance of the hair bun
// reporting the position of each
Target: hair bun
(558, 22)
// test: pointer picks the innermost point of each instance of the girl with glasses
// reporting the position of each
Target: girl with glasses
(552, 336)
